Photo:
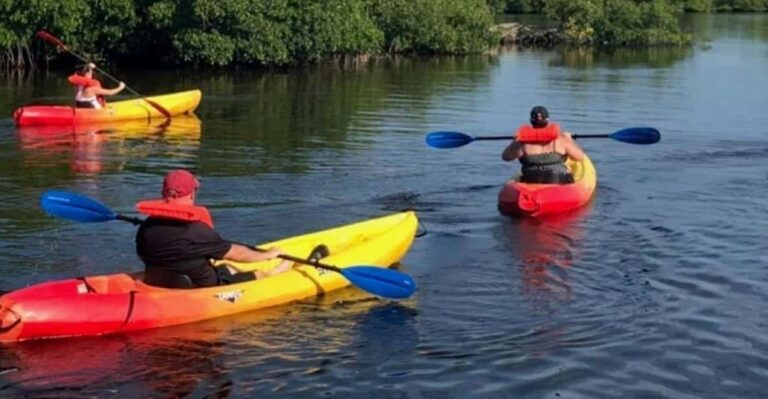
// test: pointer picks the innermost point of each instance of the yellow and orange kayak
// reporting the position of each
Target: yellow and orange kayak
(528, 199)
(139, 108)
(107, 304)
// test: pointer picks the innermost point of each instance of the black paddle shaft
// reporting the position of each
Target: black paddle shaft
(296, 259)
(575, 136)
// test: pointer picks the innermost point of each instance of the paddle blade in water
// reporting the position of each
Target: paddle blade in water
(448, 139)
(75, 207)
(379, 281)
(637, 135)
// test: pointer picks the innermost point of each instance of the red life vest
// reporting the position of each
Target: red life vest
(186, 213)
(528, 134)
(83, 82)
(80, 80)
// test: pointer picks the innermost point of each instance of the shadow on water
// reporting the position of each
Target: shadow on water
(387, 331)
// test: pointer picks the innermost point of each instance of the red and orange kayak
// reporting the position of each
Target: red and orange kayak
(138, 108)
(526, 199)
(108, 304)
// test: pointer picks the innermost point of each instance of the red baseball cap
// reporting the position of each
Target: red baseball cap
(179, 183)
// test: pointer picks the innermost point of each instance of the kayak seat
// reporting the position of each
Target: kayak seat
(226, 277)
(319, 252)
(167, 278)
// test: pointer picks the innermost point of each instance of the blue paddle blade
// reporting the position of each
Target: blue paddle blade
(379, 281)
(75, 207)
(448, 139)
(637, 135)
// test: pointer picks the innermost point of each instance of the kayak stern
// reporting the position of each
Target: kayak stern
(531, 199)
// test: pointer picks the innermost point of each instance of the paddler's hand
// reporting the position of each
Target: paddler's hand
(274, 252)
(120, 86)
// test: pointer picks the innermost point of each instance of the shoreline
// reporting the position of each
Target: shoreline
(514, 33)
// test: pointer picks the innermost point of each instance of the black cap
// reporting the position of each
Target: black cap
(539, 110)
(539, 116)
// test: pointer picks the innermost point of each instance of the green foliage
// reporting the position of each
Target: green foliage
(211, 48)
(280, 32)
(330, 27)
(524, 6)
(284, 32)
(222, 32)
(94, 27)
(618, 22)
(698, 5)
(261, 32)
(159, 15)
(441, 26)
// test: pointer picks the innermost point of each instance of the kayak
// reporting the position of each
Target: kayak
(108, 304)
(137, 108)
(528, 199)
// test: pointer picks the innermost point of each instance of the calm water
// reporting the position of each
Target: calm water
(657, 289)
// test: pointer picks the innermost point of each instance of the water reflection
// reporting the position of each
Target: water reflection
(546, 248)
(89, 149)
(291, 123)
(167, 362)
(652, 57)
(742, 25)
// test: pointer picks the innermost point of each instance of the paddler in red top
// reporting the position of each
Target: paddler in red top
(89, 93)
(177, 242)
(542, 150)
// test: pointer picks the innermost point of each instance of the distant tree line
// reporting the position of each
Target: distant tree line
(607, 22)
(289, 32)
(623, 22)
(538, 6)
(240, 32)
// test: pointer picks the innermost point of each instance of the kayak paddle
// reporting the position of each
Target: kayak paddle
(379, 281)
(633, 135)
(58, 43)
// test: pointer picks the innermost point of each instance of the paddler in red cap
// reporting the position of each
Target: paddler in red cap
(177, 242)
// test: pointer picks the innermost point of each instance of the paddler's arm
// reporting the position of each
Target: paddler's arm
(241, 253)
(513, 151)
(572, 150)
(98, 91)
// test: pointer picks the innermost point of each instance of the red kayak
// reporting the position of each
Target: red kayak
(138, 108)
(527, 199)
